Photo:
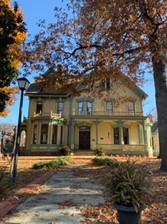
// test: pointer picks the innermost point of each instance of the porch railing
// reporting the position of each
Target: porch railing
(89, 113)
(51, 114)
(108, 113)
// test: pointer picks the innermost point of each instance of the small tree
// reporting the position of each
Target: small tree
(12, 34)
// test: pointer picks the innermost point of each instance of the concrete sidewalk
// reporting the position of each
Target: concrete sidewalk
(59, 200)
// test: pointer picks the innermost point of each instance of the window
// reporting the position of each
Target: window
(35, 134)
(23, 138)
(131, 108)
(54, 135)
(39, 107)
(44, 133)
(126, 136)
(89, 107)
(107, 83)
(61, 135)
(80, 108)
(109, 106)
(60, 108)
(116, 135)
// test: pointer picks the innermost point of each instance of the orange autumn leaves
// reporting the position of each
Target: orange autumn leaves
(12, 35)
(11, 93)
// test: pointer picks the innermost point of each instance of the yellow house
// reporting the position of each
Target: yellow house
(113, 121)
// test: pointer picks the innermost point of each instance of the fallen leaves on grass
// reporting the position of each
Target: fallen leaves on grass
(156, 210)
(25, 175)
(154, 213)
(101, 213)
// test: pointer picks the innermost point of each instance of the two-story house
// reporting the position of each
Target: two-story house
(113, 121)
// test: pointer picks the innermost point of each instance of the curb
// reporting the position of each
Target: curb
(11, 202)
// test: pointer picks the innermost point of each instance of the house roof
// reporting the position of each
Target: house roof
(138, 91)
(33, 88)
(133, 87)
(37, 89)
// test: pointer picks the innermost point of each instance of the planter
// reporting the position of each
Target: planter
(128, 215)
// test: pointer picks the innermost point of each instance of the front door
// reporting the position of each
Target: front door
(84, 137)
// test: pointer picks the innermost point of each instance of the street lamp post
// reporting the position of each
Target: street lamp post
(23, 84)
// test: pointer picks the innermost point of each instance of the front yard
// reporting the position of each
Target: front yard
(156, 212)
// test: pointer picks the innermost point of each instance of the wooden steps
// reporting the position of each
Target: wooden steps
(84, 153)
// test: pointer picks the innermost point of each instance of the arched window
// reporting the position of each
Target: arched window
(60, 108)
(131, 108)
(39, 107)
(109, 106)
(80, 108)
(89, 107)
(107, 83)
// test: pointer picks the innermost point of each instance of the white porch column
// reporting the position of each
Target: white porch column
(97, 134)
(72, 133)
(144, 133)
(120, 126)
(149, 139)
(58, 134)
(141, 133)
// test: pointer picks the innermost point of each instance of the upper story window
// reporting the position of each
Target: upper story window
(131, 108)
(107, 83)
(80, 107)
(109, 106)
(60, 108)
(89, 107)
(85, 106)
(39, 107)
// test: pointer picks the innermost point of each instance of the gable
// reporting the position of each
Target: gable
(121, 86)
(138, 92)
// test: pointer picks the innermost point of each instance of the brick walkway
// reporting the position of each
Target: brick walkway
(59, 200)
(11, 203)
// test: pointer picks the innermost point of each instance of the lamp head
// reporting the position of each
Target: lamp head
(23, 83)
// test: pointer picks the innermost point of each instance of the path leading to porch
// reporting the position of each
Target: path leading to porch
(61, 199)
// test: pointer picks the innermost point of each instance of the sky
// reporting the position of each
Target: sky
(33, 11)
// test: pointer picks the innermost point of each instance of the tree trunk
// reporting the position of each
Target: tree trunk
(161, 103)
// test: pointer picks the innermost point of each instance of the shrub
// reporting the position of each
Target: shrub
(128, 185)
(100, 152)
(105, 161)
(52, 164)
(65, 151)
(64, 161)
(39, 165)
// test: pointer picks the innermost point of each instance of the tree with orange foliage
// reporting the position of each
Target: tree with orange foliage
(126, 36)
(10, 92)
(12, 35)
